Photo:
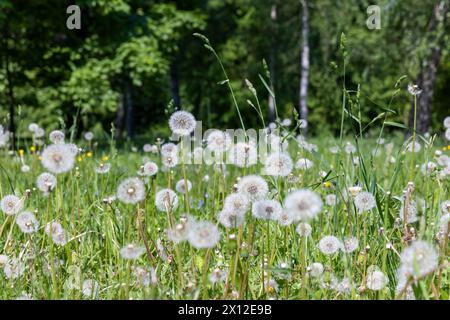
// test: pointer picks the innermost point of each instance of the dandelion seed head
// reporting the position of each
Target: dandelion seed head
(303, 229)
(149, 169)
(304, 204)
(131, 191)
(236, 202)
(11, 204)
(218, 275)
(253, 187)
(90, 288)
(419, 259)
(278, 164)
(316, 269)
(244, 155)
(13, 268)
(330, 200)
(329, 245)
(182, 123)
(56, 136)
(166, 200)
(416, 146)
(103, 168)
(181, 186)
(169, 161)
(203, 234)
(376, 280)
(350, 244)
(267, 209)
(27, 222)
(218, 141)
(131, 251)
(230, 219)
(169, 150)
(58, 158)
(304, 164)
(88, 136)
(414, 89)
(364, 201)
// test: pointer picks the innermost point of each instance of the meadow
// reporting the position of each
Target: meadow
(353, 217)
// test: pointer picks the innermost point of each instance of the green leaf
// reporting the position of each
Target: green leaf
(395, 124)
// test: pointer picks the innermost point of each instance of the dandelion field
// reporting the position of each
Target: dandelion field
(321, 218)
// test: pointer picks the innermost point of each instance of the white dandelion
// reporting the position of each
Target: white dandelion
(169, 161)
(329, 245)
(46, 182)
(286, 218)
(14, 268)
(364, 201)
(88, 136)
(56, 136)
(11, 204)
(218, 275)
(180, 231)
(58, 158)
(349, 148)
(411, 212)
(169, 150)
(413, 146)
(218, 141)
(181, 186)
(419, 259)
(304, 164)
(103, 168)
(243, 155)
(203, 234)
(376, 280)
(316, 269)
(303, 229)
(166, 199)
(148, 169)
(330, 200)
(236, 202)
(182, 123)
(131, 251)
(278, 164)
(447, 122)
(350, 244)
(27, 222)
(230, 219)
(131, 191)
(414, 89)
(267, 209)
(253, 187)
(304, 204)
(90, 288)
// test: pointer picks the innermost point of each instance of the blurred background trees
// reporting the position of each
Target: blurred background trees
(133, 61)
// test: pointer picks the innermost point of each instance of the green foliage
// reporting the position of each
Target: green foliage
(150, 45)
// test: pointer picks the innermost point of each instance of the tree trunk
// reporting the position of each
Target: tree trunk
(130, 110)
(10, 88)
(271, 100)
(120, 116)
(304, 78)
(175, 86)
(427, 77)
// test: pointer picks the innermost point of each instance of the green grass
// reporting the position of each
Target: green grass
(251, 254)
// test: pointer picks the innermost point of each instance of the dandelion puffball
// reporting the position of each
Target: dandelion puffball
(131, 191)
(253, 187)
(182, 123)
(304, 204)
(166, 200)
